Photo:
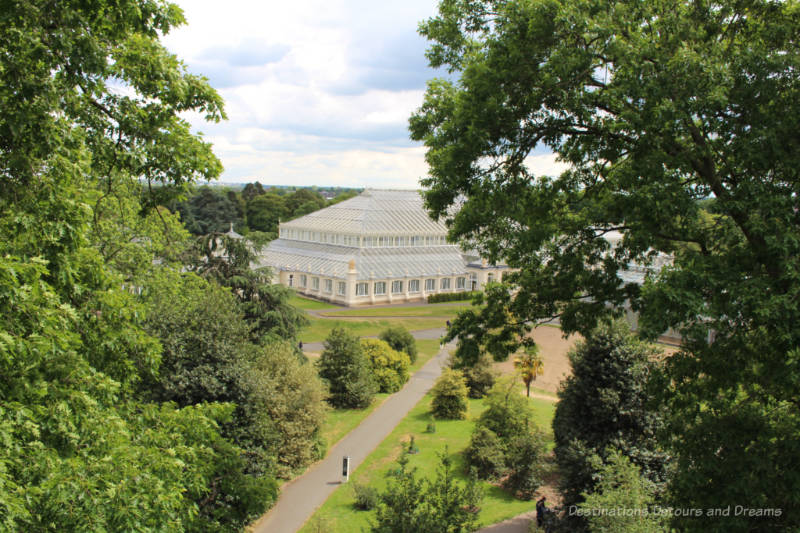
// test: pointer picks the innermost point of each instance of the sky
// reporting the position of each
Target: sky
(316, 92)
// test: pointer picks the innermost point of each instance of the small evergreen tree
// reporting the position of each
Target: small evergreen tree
(450, 396)
(347, 371)
(401, 340)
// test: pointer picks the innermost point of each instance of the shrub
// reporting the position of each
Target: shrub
(366, 497)
(524, 461)
(401, 340)
(486, 454)
(451, 297)
(480, 377)
(450, 396)
(389, 367)
(347, 371)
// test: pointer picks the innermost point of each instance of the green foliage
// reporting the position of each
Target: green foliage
(210, 210)
(450, 396)
(366, 497)
(207, 358)
(524, 461)
(265, 305)
(529, 365)
(604, 403)
(450, 297)
(486, 454)
(347, 370)
(507, 413)
(400, 339)
(204, 339)
(621, 486)
(389, 367)
(285, 409)
(265, 211)
(673, 120)
(507, 441)
(480, 377)
(432, 506)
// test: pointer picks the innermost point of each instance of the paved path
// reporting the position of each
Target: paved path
(301, 497)
(518, 524)
(420, 334)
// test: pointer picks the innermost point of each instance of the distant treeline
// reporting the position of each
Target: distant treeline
(253, 207)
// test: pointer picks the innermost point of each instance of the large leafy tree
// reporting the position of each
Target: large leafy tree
(91, 100)
(654, 107)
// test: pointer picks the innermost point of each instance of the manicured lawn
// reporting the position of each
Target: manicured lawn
(444, 310)
(307, 303)
(342, 517)
(321, 327)
(425, 350)
(340, 422)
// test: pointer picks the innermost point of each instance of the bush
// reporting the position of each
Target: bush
(524, 461)
(401, 340)
(389, 367)
(486, 454)
(347, 371)
(451, 297)
(366, 497)
(480, 377)
(450, 396)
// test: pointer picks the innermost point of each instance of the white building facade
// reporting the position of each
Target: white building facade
(378, 247)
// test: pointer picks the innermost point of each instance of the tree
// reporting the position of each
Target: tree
(207, 357)
(209, 210)
(622, 487)
(655, 108)
(530, 365)
(228, 261)
(304, 201)
(81, 450)
(450, 396)
(286, 402)
(389, 367)
(605, 404)
(400, 339)
(480, 377)
(265, 211)
(507, 441)
(433, 506)
(347, 371)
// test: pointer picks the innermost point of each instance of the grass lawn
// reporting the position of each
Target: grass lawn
(340, 422)
(341, 517)
(321, 327)
(307, 303)
(444, 310)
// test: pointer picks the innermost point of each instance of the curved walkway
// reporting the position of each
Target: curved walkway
(301, 497)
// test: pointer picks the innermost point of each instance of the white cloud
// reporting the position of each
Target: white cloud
(317, 91)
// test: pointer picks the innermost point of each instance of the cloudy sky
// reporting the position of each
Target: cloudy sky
(316, 92)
